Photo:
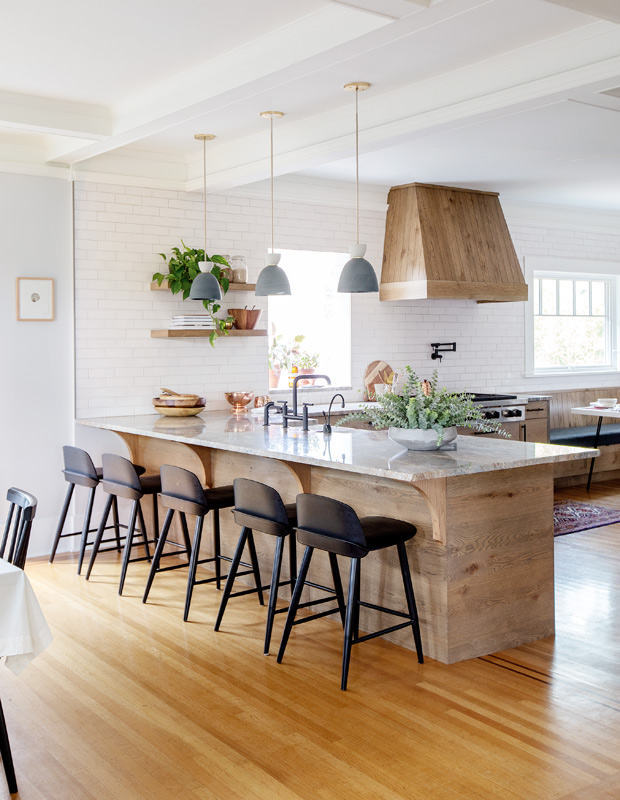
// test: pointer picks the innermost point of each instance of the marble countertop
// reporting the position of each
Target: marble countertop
(360, 451)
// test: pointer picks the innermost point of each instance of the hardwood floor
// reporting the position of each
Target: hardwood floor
(129, 702)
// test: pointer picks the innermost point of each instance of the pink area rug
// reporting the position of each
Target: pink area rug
(570, 516)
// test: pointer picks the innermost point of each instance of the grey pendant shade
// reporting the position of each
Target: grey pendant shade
(272, 279)
(357, 274)
(205, 286)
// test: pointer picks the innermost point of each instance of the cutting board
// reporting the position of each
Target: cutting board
(376, 372)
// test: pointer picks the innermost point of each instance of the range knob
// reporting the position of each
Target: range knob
(491, 414)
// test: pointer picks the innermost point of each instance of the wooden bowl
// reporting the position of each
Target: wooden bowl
(179, 412)
(245, 319)
(184, 401)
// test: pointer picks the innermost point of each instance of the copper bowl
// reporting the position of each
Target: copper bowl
(239, 400)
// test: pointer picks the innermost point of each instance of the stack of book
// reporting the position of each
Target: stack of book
(191, 321)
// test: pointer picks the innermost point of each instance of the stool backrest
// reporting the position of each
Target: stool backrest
(120, 477)
(15, 540)
(260, 507)
(182, 491)
(79, 467)
(324, 517)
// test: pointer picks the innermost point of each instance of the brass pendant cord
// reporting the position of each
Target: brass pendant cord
(204, 188)
(357, 169)
(271, 141)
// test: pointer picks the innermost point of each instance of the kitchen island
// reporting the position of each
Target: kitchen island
(482, 560)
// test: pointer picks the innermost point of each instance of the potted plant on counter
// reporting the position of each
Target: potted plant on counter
(423, 416)
(183, 268)
(306, 364)
(282, 355)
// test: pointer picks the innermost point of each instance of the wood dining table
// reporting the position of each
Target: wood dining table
(24, 633)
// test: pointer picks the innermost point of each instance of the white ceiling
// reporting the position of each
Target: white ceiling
(518, 96)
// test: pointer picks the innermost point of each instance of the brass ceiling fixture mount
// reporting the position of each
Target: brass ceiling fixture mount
(272, 279)
(357, 274)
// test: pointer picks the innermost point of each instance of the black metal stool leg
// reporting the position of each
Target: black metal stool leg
(128, 543)
(99, 536)
(349, 627)
(273, 591)
(292, 611)
(61, 521)
(161, 542)
(292, 559)
(356, 610)
(5, 752)
(413, 611)
(185, 532)
(193, 565)
(117, 527)
(255, 567)
(333, 563)
(232, 572)
(155, 517)
(217, 551)
(86, 527)
(145, 536)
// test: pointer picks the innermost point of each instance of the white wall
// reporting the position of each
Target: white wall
(120, 367)
(36, 401)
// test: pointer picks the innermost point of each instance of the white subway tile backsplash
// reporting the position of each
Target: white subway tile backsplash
(120, 230)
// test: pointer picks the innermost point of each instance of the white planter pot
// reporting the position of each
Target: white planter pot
(417, 439)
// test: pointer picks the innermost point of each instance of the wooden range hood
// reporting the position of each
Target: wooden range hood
(445, 242)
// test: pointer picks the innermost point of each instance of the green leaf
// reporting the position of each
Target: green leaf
(158, 277)
(220, 260)
(225, 283)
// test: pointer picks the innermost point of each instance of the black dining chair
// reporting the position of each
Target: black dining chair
(5, 754)
(16, 537)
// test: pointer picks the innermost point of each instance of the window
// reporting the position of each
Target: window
(314, 311)
(572, 318)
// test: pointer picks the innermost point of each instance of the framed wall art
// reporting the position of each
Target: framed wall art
(35, 299)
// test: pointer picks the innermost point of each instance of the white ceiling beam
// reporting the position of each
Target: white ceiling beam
(391, 9)
(232, 77)
(605, 9)
(535, 75)
(47, 115)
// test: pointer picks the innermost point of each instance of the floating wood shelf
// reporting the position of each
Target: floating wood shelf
(203, 333)
(232, 287)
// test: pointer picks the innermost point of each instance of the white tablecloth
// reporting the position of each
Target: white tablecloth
(24, 633)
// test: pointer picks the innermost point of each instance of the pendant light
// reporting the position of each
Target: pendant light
(272, 279)
(357, 274)
(205, 286)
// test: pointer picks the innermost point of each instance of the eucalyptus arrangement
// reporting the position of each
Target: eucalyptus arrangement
(423, 406)
(183, 268)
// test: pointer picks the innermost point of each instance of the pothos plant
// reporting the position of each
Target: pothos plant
(422, 404)
(183, 268)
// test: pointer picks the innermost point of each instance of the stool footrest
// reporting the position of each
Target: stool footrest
(385, 610)
(92, 530)
(382, 632)
(317, 616)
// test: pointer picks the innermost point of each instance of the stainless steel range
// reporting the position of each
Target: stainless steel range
(509, 408)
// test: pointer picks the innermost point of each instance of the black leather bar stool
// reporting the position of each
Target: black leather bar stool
(182, 491)
(15, 540)
(80, 471)
(260, 508)
(326, 524)
(120, 479)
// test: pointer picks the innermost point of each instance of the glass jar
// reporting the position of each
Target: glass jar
(239, 269)
(227, 271)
